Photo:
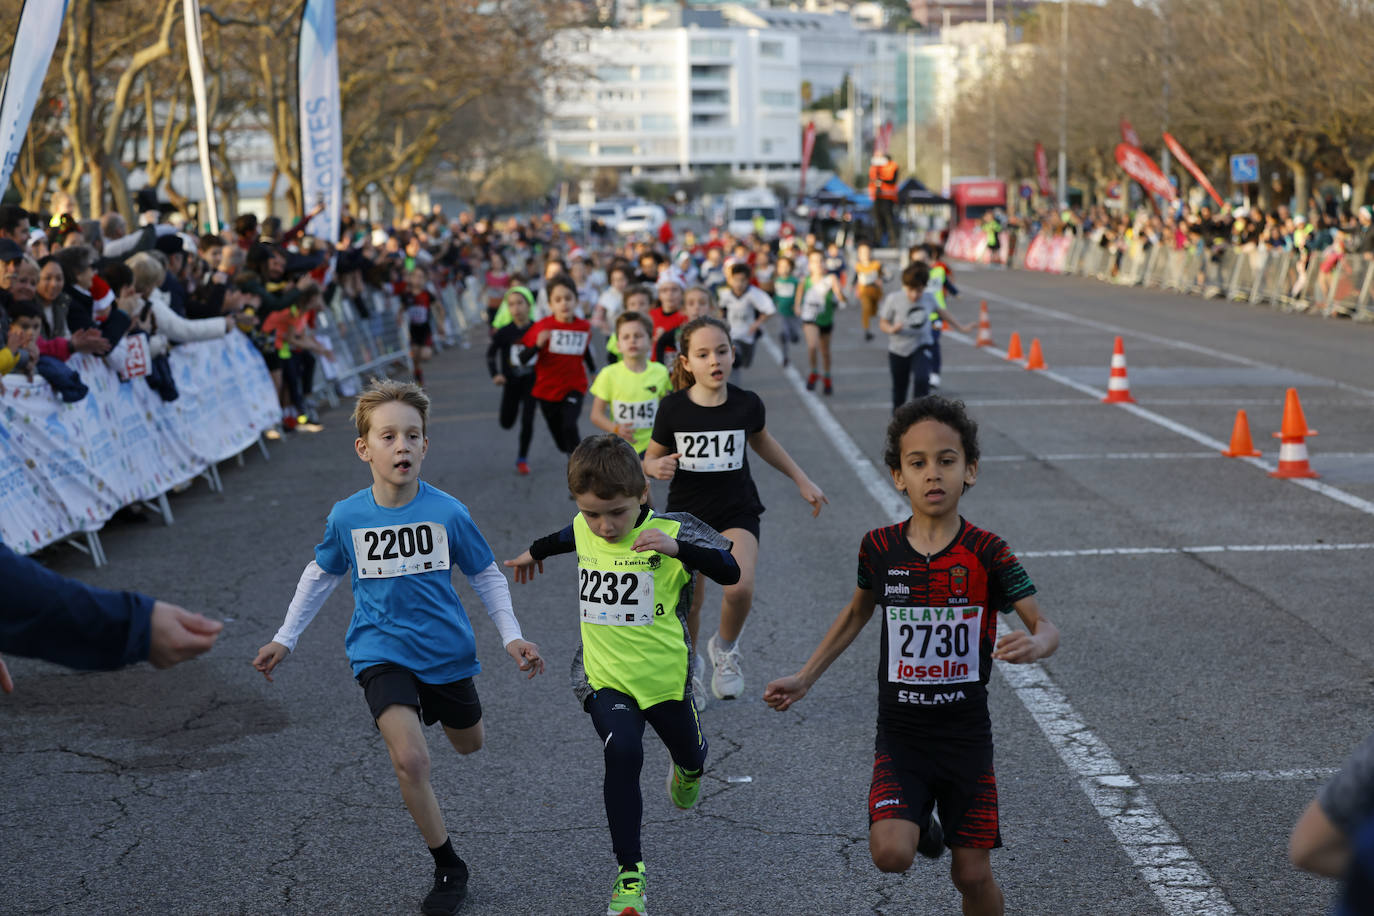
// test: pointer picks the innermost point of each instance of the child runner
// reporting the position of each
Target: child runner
(610, 305)
(667, 316)
(696, 302)
(416, 301)
(868, 281)
(905, 319)
(785, 299)
(508, 367)
(698, 443)
(410, 641)
(625, 395)
(495, 282)
(938, 284)
(635, 573)
(563, 342)
(942, 584)
(817, 298)
(747, 308)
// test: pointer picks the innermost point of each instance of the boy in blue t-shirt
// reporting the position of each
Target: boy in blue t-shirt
(410, 641)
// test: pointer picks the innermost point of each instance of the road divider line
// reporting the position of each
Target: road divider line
(1302, 774)
(1214, 548)
(1164, 862)
(1316, 486)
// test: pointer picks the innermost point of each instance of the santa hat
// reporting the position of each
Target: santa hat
(101, 296)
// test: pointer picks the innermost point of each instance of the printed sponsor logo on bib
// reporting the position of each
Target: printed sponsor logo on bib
(639, 414)
(417, 314)
(616, 599)
(400, 550)
(722, 450)
(515, 352)
(568, 343)
(928, 646)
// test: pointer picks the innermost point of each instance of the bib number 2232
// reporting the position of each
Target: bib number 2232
(616, 599)
(400, 550)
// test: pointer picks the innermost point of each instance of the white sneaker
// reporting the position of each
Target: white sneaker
(698, 688)
(935, 380)
(727, 681)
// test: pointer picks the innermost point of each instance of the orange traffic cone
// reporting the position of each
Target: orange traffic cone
(1292, 444)
(984, 326)
(1014, 346)
(1241, 446)
(1036, 360)
(1118, 389)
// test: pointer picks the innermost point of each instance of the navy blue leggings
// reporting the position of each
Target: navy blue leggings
(620, 723)
(935, 351)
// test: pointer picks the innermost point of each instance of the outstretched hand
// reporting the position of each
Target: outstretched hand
(525, 566)
(526, 654)
(269, 657)
(783, 692)
(177, 634)
(812, 494)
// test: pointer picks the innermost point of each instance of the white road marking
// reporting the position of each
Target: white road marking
(1302, 774)
(1214, 548)
(1274, 402)
(1166, 864)
(1099, 456)
(1316, 486)
(1153, 338)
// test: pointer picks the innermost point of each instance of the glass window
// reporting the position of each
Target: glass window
(655, 72)
(657, 122)
(570, 150)
(617, 149)
(771, 49)
(711, 96)
(613, 74)
(712, 47)
(778, 98)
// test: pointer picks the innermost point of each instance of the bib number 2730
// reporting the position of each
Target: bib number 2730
(616, 599)
(400, 550)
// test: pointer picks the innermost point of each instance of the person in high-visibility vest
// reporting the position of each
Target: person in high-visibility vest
(882, 190)
(992, 230)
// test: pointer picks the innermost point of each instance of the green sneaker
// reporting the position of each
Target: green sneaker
(627, 894)
(683, 789)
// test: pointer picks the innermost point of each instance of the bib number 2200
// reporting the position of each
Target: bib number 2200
(616, 599)
(400, 550)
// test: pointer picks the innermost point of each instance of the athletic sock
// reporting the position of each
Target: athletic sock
(723, 644)
(444, 856)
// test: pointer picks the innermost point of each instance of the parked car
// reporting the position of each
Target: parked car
(642, 218)
(607, 213)
(753, 210)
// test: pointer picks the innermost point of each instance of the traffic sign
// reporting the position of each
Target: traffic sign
(1245, 168)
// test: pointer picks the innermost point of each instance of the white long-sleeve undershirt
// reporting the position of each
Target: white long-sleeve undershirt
(316, 585)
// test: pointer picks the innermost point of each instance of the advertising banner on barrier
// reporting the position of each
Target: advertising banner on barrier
(1138, 164)
(69, 467)
(1187, 162)
(320, 117)
(40, 22)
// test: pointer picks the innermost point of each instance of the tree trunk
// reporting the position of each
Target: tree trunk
(272, 192)
(97, 189)
(1302, 186)
(1359, 181)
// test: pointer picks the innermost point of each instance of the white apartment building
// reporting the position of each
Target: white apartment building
(669, 102)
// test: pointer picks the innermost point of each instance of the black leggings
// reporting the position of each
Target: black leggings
(620, 723)
(562, 419)
(909, 373)
(516, 400)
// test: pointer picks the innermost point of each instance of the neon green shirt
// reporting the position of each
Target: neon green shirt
(633, 396)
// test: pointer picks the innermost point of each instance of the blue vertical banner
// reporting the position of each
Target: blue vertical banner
(40, 22)
(320, 117)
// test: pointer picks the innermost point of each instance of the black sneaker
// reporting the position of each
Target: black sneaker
(450, 888)
(932, 841)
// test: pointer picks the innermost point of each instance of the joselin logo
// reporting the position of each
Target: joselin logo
(896, 588)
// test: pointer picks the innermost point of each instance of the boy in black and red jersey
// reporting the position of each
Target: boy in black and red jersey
(941, 583)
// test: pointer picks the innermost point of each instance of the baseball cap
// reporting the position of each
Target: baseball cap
(9, 251)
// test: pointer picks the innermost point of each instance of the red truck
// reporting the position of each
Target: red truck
(974, 198)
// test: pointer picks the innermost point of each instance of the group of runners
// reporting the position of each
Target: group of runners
(678, 334)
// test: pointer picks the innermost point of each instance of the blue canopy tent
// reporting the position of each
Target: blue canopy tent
(836, 193)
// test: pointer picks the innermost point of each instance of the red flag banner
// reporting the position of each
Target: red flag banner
(1142, 168)
(1042, 169)
(883, 137)
(1187, 162)
(1128, 133)
(808, 144)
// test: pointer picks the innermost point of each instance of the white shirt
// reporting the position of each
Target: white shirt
(742, 311)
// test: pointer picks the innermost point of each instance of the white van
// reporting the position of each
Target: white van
(743, 209)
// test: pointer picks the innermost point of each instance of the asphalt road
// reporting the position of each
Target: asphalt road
(1154, 765)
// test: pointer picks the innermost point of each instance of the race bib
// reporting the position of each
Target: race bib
(639, 414)
(927, 646)
(568, 343)
(710, 451)
(516, 356)
(136, 357)
(616, 599)
(400, 550)
(417, 314)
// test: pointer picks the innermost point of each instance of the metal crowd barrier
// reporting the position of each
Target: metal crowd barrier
(1273, 277)
(363, 345)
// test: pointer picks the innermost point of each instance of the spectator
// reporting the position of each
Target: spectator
(14, 224)
(147, 276)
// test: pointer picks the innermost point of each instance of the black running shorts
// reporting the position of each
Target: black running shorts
(908, 781)
(455, 705)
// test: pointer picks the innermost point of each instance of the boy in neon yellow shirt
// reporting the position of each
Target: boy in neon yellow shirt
(625, 394)
(635, 571)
